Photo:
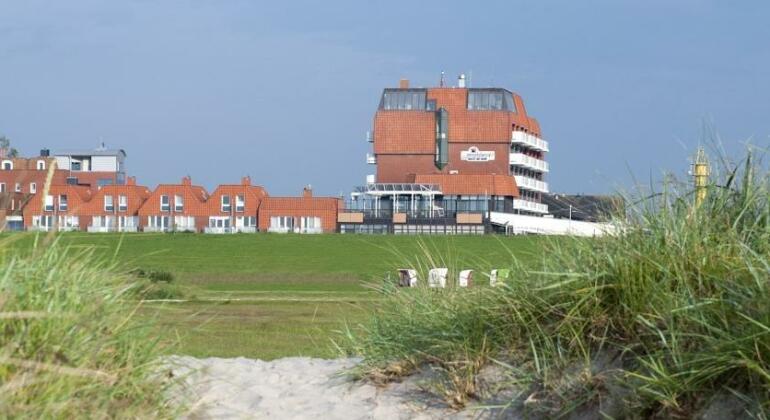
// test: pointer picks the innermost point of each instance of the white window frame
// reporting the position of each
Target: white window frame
(41, 165)
(2, 187)
(178, 202)
(18, 187)
(48, 204)
(226, 208)
(240, 203)
(32, 188)
(167, 205)
(63, 204)
(122, 202)
(7, 165)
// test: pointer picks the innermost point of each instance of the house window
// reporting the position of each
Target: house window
(18, 187)
(178, 203)
(48, 203)
(40, 165)
(122, 203)
(281, 222)
(160, 222)
(75, 166)
(226, 203)
(63, 202)
(240, 203)
(109, 205)
(7, 165)
(164, 204)
(32, 188)
(2, 187)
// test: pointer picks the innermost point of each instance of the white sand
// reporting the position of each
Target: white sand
(296, 388)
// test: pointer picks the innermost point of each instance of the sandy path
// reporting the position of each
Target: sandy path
(296, 388)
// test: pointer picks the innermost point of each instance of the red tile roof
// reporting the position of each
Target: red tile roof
(499, 185)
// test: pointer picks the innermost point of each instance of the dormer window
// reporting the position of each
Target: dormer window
(178, 203)
(7, 165)
(109, 204)
(41, 165)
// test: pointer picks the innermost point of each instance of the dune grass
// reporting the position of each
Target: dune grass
(70, 343)
(674, 310)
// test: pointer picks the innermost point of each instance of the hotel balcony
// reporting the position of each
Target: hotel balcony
(530, 206)
(529, 140)
(371, 159)
(525, 182)
(520, 159)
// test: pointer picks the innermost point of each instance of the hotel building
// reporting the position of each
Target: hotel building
(445, 158)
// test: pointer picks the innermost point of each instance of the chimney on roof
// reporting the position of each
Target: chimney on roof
(187, 180)
(461, 80)
(131, 180)
(403, 84)
(45, 152)
(246, 181)
(307, 192)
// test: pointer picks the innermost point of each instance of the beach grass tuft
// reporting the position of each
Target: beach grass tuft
(674, 309)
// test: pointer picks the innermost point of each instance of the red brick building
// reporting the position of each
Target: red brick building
(446, 158)
(305, 214)
(115, 208)
(234, 208)
(175, 207)
(60, 208)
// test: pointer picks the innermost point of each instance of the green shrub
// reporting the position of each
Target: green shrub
(153, 275)
(679, 297)
(70, 345)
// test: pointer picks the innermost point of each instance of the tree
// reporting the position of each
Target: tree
(6, 149)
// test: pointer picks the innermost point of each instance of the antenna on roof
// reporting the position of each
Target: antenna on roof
(441, 81)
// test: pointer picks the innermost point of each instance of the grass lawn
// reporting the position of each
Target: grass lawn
(267, 296)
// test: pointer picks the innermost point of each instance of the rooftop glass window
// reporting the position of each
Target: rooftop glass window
(403, 99)
(490, 100)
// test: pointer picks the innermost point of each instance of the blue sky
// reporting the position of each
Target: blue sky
(285, 91)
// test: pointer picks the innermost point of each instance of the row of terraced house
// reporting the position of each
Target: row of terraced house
(45, 193)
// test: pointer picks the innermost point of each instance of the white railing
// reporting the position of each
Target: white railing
(533, 184)
(520, 159)
(99, 229)
(155, 229)
(530, 206)
(371, 159)
(106, 229)
(530, 140)
(221, 230)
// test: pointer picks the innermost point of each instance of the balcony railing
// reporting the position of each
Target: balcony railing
(156, 229)
(105, 229)
(223, 230)
(525, 182)
(530, 140)
(520, 159)
(371, 159)
(530, 206)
